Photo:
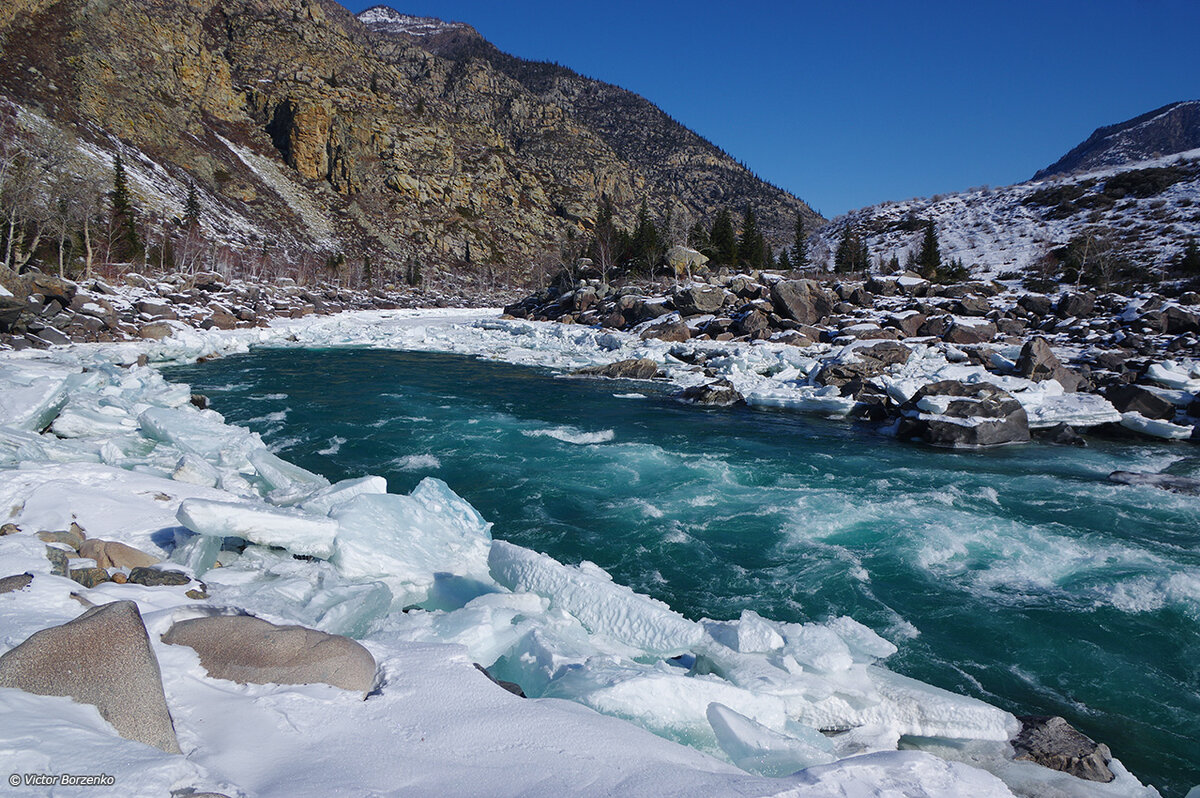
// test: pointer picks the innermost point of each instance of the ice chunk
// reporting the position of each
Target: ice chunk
(1154, 427)
(32, 394)
(299, 533)
(407, 540)
(818, 648)
(198, 553)
(756, 749)
(663, 699)
(922, 710)
(195, 471)
(1077, 409)
(589, 594)
(863, 644)
(201, 432)
(324, 501)
(284, 482)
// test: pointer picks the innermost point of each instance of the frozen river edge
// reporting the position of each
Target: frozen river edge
(130, 459)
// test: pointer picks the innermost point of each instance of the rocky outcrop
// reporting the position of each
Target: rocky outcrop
(102, 658)
(804, 301)
(1054, 743)
(248, 650)
(952, 413)
(1038, 362)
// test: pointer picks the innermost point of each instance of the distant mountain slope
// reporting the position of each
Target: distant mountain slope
(1148, 211)
(1165, 131)
(674, 159)
(327, 140)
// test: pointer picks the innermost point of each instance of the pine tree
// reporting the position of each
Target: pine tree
(723, 240)
(698, 238)
(368, 273)
(750, 246)
(645, 239)
(929, 259)
(843, 258)
(191, 209)
(800, 248)
(124, 215)
(785, 263)
(1189, 263)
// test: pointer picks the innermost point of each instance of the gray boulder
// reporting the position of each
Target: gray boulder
(102, 658)
(15, 582)
(249, 650)
(1186, 485)
(700, 299)
(1054, 743)
(633, 369)
(1176, 320)
(802, 300)
(952, 413)
(970, 333)
(713, 394)
(1039, 363)
(1076, 304)
(1135, 398)
(1036, 304)
(671, 329)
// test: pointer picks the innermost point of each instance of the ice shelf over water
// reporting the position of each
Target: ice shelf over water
(760, 707)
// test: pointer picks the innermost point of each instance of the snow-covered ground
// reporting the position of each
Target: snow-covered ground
(128, 457)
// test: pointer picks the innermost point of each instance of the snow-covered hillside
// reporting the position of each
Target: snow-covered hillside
(1149, 210)
(389, 20)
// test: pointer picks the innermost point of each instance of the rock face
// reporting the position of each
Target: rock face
(320, 130)
(103, 658)
(245, 649)
(1054, 743)
(1170, 129)
(712, 394)
(952, 413)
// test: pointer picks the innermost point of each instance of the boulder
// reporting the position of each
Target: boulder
(752, 323)
(971, 305)
(672, 329)
(871, 362)
(953, 413)
(153, 577)
(683, 260)
(1038, 362)
(970, 333)
(1177, 320)
(1076, 304)
(1169, 482)
(10, 584)
(90, 577)
(700, 299)
(636, 309)
(156, 330)
(112, 554)
(713, 394)
(1063, 434)
(249, 650)
(634, 369)
(52, 288)
(11, 310)
(802, 300)
(155, 309)
(1135, 398)
(102, 658)
(1036, 304)
(907, 323)
(1052, 742)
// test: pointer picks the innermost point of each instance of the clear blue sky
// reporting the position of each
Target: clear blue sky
(854, 102)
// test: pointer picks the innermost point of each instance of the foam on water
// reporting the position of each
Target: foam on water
(572, 435)
(417, 462)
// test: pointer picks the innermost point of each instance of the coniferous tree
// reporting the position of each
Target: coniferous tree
(929, 259)
(723, 239)
(124, 215)
(750, 247)
(1189, 262)
(645, 240)
(843, 257)
(191, 209)
(800, 248)
(698, 239)
(368, 274)
(785, 262)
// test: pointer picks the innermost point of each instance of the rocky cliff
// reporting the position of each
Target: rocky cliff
(1172, 129)
(305, 129)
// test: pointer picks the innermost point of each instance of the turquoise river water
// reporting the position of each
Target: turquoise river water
(1020, 576)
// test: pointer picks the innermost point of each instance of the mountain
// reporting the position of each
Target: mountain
(1174, 128)
(1136, 213)
(317, 138)
(672, 157)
